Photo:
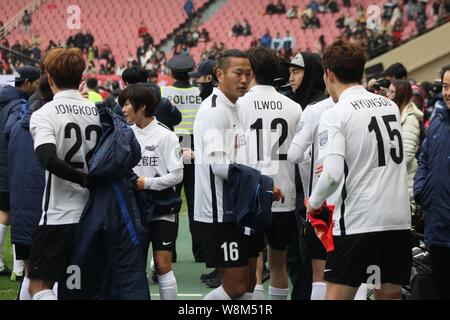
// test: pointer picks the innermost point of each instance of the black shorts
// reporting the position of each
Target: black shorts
(51, 251)
(22, 252)
(225, 245)
(312, 246)
(163, 235)
(279, 234)
(4, 201)
(356, 258)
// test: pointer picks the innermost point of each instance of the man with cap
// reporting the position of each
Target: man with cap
(13, 103)
(307, 85)
(204, 77)
(187, 99)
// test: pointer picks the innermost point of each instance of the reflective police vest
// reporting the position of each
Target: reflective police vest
(188, 101)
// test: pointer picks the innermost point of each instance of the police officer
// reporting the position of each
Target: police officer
(187, 99)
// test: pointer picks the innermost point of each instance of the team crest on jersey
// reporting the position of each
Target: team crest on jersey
(323, 138)
(178, 153)
(300, 126)
(151, 148)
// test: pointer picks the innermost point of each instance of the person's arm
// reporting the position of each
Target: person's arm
(171, 156)
(333, 170)
(332, 151)
(166, 181)
(411, 135)
(422, 172)
(42, 131)
(303, 139)
(47, 155)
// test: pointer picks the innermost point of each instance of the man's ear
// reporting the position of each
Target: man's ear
(209, 78)
(330, 75)
(219, 74)
(50, 80)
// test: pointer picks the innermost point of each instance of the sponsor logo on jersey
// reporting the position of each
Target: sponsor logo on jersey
(151, 148)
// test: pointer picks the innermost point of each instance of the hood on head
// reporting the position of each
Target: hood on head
(312, 86)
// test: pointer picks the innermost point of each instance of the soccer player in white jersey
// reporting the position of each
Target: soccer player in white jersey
(65, 131)
(219, 140)
(360, 142)
(160, 168)
(269, 120)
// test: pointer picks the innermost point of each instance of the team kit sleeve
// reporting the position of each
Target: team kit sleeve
(215, 139)
(171, 153)
(332, 152)
(331, 134)
(303, 139)
(41, 128)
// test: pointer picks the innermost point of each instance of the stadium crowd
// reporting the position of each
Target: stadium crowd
(102, 169)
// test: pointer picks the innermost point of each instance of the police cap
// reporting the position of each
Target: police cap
(181, 63)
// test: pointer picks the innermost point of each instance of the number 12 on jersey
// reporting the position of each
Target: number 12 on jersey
(258, 127)
(393, 134)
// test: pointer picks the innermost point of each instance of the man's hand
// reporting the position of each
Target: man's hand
(309, 208)
(187, 154)
(278, 195)
(140, 183)
(319, 170)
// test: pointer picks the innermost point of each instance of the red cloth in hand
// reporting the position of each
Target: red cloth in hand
(324, 229)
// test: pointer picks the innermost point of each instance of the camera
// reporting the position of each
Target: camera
(382, 83)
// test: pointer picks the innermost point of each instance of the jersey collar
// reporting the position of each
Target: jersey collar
(260, 87)
(68, 94)
(150, 127)
(223, 98)
(352, 90)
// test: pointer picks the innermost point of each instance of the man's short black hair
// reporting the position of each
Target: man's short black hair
(138, 96)
(135, 75)
(443, 71)
(92, 83)
(224, 59)
(18, 84)
(397, 71)
(265, 64)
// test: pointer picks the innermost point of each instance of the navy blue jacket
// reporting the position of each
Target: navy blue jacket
(248, 198)
(12, 101)
(26, 183)
(111, 242)
(431, 183)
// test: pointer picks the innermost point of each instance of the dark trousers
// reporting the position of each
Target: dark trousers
(189, 185)
(298, 265)
(440, 266)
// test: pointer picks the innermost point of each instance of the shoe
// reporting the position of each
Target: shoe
(5, 272)
(210, 275)
(214, 282)
(16, 277)
(265, 274)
